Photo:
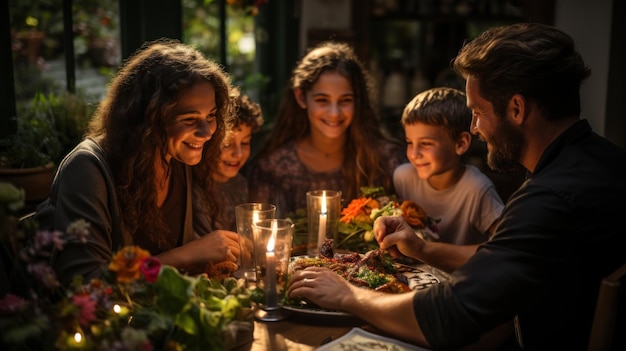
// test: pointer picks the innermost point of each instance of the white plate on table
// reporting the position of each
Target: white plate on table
(359, 339)
(418, 277)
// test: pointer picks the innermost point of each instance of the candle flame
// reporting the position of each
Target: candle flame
(255, 216)
(324, 210)
(272, 240)
(78, 337)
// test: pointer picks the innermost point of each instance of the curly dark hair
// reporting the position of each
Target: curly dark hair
(131, 124)
(362, 165)
(244, 111)
(535, 60)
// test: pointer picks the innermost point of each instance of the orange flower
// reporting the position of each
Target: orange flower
(353, 209)
(127, 263)
(371, 204)
(414, 214)
(363, 218)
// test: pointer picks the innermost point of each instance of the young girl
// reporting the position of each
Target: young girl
(230, 187)
(327, 134)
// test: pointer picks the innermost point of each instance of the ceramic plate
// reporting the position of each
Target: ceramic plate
(359, 339)
(419, 278)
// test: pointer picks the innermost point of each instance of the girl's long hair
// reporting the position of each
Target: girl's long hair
(363, 164)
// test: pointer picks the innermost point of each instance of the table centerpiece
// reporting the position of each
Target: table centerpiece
(139, 304)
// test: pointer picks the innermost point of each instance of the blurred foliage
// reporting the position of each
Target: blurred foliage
(48, 127)
(201, 28)
(95, 26)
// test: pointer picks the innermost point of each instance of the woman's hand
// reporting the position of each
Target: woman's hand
(215, 247)
(247, 247)
(218, 246)
(396, 236)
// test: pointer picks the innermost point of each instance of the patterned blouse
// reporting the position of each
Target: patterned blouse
(283, 180)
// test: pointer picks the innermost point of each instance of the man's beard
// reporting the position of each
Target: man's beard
(504, 148)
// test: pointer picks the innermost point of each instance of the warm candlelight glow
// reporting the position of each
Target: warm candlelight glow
(117, 308)
(321, 231)
(78, 337)
(270, 269)
(255, 216)
(270, 242)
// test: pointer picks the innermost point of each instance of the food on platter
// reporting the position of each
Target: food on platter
(220, 270)
(374, 270)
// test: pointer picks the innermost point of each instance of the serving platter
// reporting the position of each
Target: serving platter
(360, 339)
(418, 276)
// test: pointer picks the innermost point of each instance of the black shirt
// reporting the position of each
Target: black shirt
(559, 235)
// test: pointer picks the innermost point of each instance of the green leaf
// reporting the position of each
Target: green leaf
(372, 191)
(230, 307)
(173, 291)
(188, 320)
(20, 335)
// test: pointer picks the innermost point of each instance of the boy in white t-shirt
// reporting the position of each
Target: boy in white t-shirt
(437, 128)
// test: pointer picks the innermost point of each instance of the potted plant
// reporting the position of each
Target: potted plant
(27, 158)
(71, 114)
(33, 27)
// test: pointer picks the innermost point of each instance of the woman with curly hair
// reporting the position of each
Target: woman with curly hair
(131, 178)
(327, 134)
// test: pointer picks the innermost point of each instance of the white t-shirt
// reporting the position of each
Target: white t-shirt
(466, 209)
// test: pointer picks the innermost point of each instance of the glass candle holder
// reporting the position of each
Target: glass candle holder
(245, 215)
(272, 244)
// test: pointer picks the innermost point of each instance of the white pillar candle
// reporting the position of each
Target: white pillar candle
(321, 233)
(270, 269)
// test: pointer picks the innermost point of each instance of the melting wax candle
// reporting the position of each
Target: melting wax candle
(321, 233)
(270, 269)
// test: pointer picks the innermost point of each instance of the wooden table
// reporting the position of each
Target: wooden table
(300, 333)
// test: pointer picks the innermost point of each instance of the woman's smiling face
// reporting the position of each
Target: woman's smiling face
(194, 124)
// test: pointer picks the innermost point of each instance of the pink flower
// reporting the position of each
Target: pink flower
(11, 304)
(45, 238)
(150, 267)
(44, 273)
(87, 309)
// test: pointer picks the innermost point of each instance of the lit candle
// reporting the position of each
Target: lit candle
(321, 233)
(255, 216)
(270, 269)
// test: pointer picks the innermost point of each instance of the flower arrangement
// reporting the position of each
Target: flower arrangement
(139, 304)
(357, 219)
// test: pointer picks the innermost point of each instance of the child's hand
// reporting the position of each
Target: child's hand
(396, 236)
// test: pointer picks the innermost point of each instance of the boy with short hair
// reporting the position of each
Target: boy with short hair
(436, 124)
